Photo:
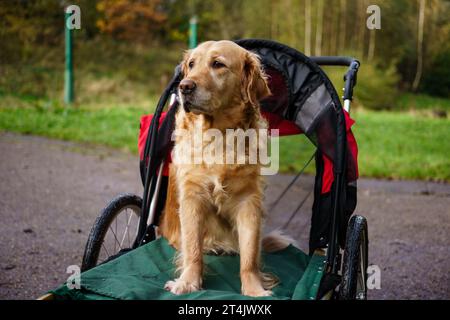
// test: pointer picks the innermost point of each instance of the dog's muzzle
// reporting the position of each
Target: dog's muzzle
(186, 106)
(186, 88)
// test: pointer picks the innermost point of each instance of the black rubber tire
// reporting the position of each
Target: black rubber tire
(354, 270)
(101, 225)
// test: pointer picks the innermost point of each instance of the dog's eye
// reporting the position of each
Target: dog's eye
(191, 64)
(217, 65)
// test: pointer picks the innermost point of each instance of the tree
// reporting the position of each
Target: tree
(342, 25)
(419, 45)
(308, 27)
(131, 20)
(319, 25)
(361, 26)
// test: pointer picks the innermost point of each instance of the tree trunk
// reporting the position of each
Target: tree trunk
(272, 21)
(372, 43)
(362, 26)
(308, 27)
(343, 24)
(335, 29)
(416, 82)
(319, 26)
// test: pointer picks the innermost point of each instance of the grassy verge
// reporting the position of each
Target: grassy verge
(409, 101)
(391, 145)
(116, 126)
(403, 145)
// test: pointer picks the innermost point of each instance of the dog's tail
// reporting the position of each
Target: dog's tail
(276, 240)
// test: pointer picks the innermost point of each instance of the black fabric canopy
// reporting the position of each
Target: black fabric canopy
(301, 93)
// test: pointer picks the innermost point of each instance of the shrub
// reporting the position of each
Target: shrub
(377, 88)
(436, 81)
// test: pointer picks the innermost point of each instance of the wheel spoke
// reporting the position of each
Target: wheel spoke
(361, 284)
(115, 233)
(117, 241)
(128, 234)
(103, 245)
(126, 228)
(137, 230)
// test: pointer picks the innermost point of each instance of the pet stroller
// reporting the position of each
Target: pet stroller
(303, 101)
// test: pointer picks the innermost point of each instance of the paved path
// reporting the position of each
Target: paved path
(51, 192)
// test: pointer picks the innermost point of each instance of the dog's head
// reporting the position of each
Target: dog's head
(219, 75)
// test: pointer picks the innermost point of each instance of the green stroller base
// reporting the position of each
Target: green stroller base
(142, 273)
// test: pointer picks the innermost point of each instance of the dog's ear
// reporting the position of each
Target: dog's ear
(185, 62)
(254, 86)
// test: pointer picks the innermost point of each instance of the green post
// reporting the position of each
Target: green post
(193, 32)
(68, 74)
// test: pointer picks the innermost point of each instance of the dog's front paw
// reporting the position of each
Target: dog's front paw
(257, 293)
(179, 286)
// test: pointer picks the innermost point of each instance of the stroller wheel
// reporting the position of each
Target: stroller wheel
(354, 273)
(114, 231)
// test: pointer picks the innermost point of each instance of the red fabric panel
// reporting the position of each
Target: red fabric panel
(143, 131)
(285, 128)
(328, 176)
(351, 141)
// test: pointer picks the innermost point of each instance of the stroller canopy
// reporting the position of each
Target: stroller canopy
(303, 94)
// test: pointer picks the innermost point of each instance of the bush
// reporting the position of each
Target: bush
(105, 71)
(377, 88)
(436, 81)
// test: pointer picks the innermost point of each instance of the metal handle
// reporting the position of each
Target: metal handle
(350, 77)
(334, 61)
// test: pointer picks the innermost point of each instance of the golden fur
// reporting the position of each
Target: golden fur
(218, 207)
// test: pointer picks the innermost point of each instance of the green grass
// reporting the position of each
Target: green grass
(116, 126)
(403, 145)
(409, 101)
(391, 145)
(295, 151)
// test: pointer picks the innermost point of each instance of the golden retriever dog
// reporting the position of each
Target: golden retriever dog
(218, 208)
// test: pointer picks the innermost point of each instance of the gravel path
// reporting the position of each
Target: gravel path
(51, 192)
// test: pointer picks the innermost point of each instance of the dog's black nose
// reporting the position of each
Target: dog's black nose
(187, 86)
